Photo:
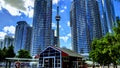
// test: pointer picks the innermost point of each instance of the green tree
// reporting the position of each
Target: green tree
(2, 56)
(106, 50)
(4, 52)
(23, 54)
(99, 52)
(112, 48)
(10, 52)
(117, 37)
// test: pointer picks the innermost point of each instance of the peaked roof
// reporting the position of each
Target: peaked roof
(70, 52)
(65, 51)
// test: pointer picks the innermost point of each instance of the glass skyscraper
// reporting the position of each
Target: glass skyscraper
(42, 21)
(23, 35)
(107, 13)
(1, 43)
(85, 24)
(93, 19)
(8, 41)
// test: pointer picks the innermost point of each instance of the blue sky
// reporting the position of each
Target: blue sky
(12, 11)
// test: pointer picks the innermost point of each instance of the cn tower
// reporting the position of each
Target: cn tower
(58, 19)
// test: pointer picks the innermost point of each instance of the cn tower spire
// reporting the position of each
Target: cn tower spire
(58, 19)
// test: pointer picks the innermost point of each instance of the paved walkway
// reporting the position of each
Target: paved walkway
(106, 67)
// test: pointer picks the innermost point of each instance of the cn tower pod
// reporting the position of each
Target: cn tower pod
(57, 16)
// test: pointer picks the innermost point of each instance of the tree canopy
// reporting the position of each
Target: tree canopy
(23, 54)
(107, 49)
(10, 52)
(7, 53)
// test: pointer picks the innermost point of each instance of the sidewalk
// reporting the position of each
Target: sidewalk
(111, 66)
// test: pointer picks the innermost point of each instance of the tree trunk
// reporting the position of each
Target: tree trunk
(113, 65)
(9, 64)
(6, 64)
(102, 66)
(116, 65)
(93, 66)
(108, 66)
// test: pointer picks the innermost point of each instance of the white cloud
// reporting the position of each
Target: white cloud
(30, 13)
(62, 11)
(15, 7)
(55, 1)
(62, 29)
(0, 5)
(60, 26)
(69, 35)
(2, 34)
(54, 25)
(18, 4)
(13, 11)
(54, 10)
(10, 6)
(65, 7)
(64, 38)
(68, 23)
(9, 29)
(29, 4)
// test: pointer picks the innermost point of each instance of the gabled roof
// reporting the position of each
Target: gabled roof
(69, 52)
(65, 51)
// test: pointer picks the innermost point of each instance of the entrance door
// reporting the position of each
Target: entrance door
(49, 63)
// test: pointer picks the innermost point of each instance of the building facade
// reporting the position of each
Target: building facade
(103, 18)
(1, 43)
(85, 24)
(8, 41)
(42, 21)
(73, 27)
(23, 35)
(53, 40)
(107, 13)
